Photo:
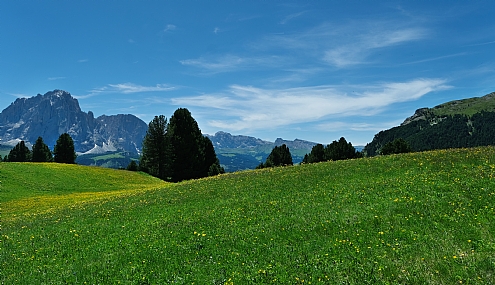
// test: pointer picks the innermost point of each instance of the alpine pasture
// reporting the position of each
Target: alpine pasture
(419, 218)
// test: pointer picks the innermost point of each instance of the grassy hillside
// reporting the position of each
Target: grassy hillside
(421, 218)
(466, 107)
(36, 187)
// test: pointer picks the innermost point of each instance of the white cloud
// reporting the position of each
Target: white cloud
(228, 63)
(20, 95)
(288, 18)
(359, 127)
(126, 88)
(436, 58)
(249, 108)
(56, 78)
(169, 27)
(358, 48)
(347, 44)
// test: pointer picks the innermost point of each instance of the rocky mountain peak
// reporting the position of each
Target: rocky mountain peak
(57, 112)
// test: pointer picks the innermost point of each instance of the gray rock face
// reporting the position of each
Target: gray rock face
(57, 112)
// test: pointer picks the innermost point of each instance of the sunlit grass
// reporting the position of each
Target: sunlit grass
(422, 218)
(31, 188)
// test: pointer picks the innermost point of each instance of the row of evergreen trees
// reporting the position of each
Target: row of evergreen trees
(337, 150)
(40, 152)
(177, 150)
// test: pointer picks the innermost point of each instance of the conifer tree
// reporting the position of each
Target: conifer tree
(340, 150)
(185, 138)
(157, 157)
(64, 150)
(396, 146)
(132, 166)
(178, 151)
(280, 156)
(20, 153)
(337, 150)
(211, 165)
(194, 155)
(317, 154)
(41, 152)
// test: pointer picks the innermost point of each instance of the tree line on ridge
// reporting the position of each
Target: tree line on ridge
(63, 151)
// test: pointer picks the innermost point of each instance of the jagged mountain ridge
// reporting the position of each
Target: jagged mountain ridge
(224, 140)
(57, 112)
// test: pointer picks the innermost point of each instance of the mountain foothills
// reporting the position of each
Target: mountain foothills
(460, 123)
(114, 141)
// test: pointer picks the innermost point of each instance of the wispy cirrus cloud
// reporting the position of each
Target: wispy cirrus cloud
(337, 126)
(344, 44)
(359, 48)
(249, 108)
(290, 17)
(227, 63)
(436, 58)
(126, 88)
(169, 28)
(20, 95)
(56, 78)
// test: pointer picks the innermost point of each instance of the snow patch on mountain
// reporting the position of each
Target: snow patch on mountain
(106, 147)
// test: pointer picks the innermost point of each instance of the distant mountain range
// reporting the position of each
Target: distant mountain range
(57, 112)
(112, 141)
(244, 152)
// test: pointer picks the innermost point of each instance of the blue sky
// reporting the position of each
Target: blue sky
(313, 70)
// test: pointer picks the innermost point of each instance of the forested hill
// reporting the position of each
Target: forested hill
(460, 123)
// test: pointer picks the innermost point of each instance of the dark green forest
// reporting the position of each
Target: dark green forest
(453, 131)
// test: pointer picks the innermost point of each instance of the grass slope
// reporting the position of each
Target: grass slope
(466, 107)
(27, 188)
(422, 218)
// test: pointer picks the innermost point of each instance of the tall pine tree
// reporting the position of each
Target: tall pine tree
(211, 163)
(64, 150)
(20, 153)
(178, 151)
(185, 138)
(341, 150)
(41, 152)
(280, 156)
(157, 154)
(194, 156)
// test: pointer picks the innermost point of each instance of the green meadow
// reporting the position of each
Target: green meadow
(420, 218)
